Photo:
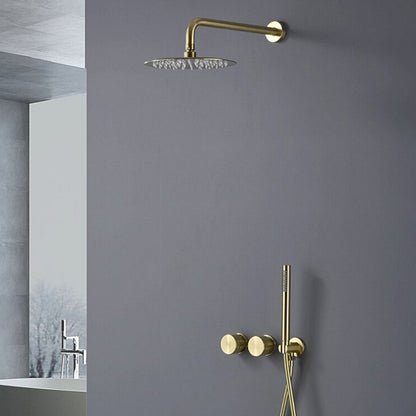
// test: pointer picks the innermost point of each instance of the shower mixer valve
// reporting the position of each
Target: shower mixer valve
(265, 345)
(233, 343)
(262, 346)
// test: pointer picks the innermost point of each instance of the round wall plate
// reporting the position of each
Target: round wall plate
(301, 344)
(275, 38)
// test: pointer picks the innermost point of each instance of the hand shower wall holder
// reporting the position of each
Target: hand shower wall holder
(296, 347)
(266, 345)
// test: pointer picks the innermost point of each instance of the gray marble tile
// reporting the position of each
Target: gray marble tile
(14, 214)
(5, 24)
(64, 6)
(31, 80)
(14, 121)
(14, 162)
(69, 23)
(14, 269)
(23, 13)
(41, 29)
(16, 363)
(14, 322)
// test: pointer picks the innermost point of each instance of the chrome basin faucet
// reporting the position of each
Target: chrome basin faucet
(66, 353)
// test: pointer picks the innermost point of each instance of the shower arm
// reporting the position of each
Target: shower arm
(274, 31)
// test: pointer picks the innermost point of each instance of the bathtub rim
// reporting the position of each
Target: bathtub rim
(49, 384)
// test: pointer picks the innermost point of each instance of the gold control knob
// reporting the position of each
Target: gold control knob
(264, 345)
(233, 343)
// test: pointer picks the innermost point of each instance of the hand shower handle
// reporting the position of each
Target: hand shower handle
(286, 276)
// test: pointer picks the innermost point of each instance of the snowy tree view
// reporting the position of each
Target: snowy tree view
(57, 231)
(48, 305)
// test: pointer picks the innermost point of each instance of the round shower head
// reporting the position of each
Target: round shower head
(189, 63)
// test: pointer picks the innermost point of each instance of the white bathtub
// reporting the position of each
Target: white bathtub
(43, 397)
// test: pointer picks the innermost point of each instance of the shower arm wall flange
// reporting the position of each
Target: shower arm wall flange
(274, 31)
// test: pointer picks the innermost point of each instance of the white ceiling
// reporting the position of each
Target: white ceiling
(52, 30)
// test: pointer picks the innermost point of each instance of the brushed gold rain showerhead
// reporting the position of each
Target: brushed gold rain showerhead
(274, 32)
(190, 63)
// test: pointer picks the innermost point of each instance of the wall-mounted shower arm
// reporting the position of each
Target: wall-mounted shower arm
(274, 31)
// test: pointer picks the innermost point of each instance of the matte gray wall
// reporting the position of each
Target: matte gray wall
(14, 243)
(201, 184)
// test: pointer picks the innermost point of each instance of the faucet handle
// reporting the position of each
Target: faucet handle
(63, 333)
(233, 343)
(84, 356)
(260, 346)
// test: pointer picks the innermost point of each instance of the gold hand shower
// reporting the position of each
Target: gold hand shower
(286, 277)
(290, 347)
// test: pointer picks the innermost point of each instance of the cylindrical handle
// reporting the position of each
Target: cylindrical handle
(286, 271)
(84, 357)
(260, 346)
(233, 343)
(63, 333)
